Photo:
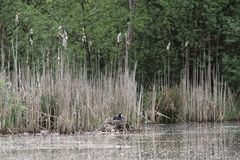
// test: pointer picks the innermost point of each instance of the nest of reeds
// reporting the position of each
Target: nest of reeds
(115, 124)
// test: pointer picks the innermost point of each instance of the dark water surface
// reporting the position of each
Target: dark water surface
(178, 141)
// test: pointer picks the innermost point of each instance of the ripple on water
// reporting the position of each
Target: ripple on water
(178, 141)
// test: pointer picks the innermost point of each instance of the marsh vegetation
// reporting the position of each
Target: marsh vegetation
(68, 66)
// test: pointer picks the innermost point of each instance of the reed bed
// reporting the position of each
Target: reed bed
(57, 93)
(206, 96)
(65, 99)
(202, 94)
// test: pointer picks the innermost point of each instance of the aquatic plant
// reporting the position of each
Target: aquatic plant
(64, 99)
(202, 94)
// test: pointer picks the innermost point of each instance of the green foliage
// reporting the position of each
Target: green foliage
(206, 26)
(232, 68)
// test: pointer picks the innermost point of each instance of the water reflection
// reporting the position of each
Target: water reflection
(178, 141)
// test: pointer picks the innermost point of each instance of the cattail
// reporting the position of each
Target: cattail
(84, 38)
(17, 18)
(168, 46)
(119, 37)
(186, 44)
(60, 28)
(31, 37)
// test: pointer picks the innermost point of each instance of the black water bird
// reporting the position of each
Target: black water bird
(118, 117)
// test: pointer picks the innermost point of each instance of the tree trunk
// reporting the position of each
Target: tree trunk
(128, 35)
(2, 46)
(86, 42)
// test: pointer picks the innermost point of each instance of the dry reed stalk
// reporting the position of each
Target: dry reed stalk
(203, 93)
(153, 105)
(68, 100)
(205, 97)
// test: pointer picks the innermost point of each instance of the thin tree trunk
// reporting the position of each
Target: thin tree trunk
(2, 47)
(86, 42)
(128, 35)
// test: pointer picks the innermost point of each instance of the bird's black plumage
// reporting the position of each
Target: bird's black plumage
(118, 117)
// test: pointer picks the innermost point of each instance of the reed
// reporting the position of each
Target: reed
(201, 95)
(206, 96)
(64, 99)
(50, 91)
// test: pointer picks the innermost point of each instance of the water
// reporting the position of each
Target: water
(179, 141)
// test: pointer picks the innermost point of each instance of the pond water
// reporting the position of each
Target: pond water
(176, 141)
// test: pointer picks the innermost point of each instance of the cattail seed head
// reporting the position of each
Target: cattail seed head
(119, 37)
(17, 18)
(31, 37)
(168, 46)
(84, 38)
(186, 44)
